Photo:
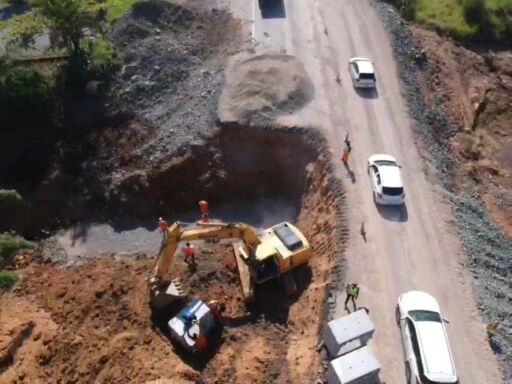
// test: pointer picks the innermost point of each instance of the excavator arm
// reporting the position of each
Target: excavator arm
(162, 291)
(176, 234)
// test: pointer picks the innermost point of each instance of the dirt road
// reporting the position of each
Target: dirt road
(410, 248)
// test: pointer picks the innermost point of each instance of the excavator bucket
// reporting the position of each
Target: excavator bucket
(243, 271)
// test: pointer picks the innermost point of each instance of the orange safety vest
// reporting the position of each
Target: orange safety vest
(163, 224)
(203, 206)
(188, 251)
(202, 344)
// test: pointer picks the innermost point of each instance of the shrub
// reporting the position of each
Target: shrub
(102, 58)
(477, 14)
(23, 90)
(9, 198)
(8, 279)
(10, 243)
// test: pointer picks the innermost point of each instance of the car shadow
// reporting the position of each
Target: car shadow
(397, 213)
(272, 9)
(367, 93)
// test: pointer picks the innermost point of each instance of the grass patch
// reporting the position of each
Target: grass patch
(477, 20)
(9, 198)
(446, 14)
(10, 243)
(8, 279)
(117, 8)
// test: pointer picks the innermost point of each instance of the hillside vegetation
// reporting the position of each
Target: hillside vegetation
(476, 20)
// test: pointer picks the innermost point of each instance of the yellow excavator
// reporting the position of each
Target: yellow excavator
(260, 257)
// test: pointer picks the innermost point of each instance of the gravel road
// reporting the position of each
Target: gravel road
(411, 248)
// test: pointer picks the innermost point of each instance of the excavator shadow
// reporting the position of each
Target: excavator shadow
(271, 301)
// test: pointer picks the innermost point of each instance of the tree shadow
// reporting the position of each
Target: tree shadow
(272, 9)
(397, 213)
(367, 93)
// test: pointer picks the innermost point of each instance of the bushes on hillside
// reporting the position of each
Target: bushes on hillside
(8, 279)
(9, 198)
(23, 90)
(10, 243)
(477, 20)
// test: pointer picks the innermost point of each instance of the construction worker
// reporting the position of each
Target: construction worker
(201, 342)
(162, 224)
(203, 206)
(352, 293)
(346, 152)
(347, 142)
(189, 253)
(362, 231)
(216, 308)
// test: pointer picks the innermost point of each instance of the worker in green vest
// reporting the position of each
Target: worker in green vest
(352, 293)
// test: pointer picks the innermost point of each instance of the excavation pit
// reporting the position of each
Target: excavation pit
(100, 305)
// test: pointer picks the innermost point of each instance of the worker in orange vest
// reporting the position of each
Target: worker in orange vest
(189, 253)
(163, 227)
(203, 207)
(346, 152)
(216, 308)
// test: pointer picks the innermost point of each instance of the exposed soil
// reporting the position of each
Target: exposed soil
(97, 314)
(476, 92)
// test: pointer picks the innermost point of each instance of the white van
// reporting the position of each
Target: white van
(428, 358)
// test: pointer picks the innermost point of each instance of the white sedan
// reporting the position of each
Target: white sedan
(386, 180)
(428, 358)
(362, 73)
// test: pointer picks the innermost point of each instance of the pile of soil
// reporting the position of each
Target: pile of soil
(260, 88)
(92, 323)
(173, 68)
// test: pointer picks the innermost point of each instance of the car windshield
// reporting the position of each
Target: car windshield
(425, 316)
(392, 191)
(367, 76)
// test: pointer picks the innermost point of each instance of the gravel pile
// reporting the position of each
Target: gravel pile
(172, 71)
(260, 88)
(490, 252)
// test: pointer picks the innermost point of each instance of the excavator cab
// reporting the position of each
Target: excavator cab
(267, 269)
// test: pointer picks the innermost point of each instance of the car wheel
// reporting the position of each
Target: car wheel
(397, 315)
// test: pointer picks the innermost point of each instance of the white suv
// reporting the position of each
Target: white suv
(386, 180)
(428, 358)
(362, 73)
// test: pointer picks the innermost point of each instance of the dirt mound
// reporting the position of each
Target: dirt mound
(260, 88)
